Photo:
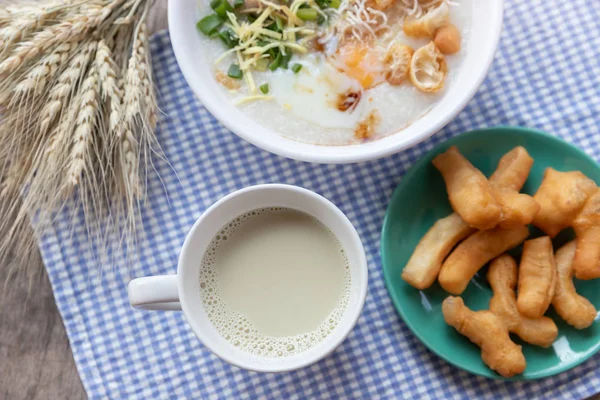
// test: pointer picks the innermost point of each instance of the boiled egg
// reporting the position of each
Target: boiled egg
(361, 63)
(319, 93)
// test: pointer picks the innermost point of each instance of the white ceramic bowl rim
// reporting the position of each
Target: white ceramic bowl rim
(485, 34)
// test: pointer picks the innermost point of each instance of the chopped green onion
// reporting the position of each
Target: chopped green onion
(228, 37)
(285, 60)
(334, 3)
(276, 62)
(222, 8)
(264, 88)
(273, 27)
(209, 24)
(307, 14)
(296, 68)
(234, 71)
(279, 22)
(273, 52)
(239, 3)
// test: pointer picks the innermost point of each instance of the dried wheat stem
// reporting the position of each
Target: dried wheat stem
(84, 125)
(65, 85)
(109, 87)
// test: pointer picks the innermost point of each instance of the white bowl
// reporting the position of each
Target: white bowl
(485, 34)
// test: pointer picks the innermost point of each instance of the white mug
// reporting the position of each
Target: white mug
(182, 291)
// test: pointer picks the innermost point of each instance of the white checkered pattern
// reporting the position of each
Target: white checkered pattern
(546, 75)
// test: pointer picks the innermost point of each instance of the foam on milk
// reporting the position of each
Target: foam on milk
(234, 326)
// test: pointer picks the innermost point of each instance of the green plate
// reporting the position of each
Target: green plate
(420, 199)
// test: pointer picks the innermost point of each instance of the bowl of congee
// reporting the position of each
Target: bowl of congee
(334, 81)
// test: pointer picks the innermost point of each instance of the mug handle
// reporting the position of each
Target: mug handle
(154, 293)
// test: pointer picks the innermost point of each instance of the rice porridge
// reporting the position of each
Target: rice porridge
(335, 72)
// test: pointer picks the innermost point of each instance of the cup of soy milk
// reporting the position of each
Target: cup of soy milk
(270, 278)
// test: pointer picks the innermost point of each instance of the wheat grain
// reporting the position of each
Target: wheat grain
(66, 83)
(5, 15)
(84, 125)
(109, 87)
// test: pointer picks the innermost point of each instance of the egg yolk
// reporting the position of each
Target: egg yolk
(361, 64)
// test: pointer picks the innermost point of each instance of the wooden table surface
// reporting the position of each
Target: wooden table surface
(35, 357)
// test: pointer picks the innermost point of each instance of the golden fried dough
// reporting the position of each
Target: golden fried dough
(511, 174)
(517, 208)
(474, 252)
(561, 196)
(469, 192)
(586, 225)
(537, 277)
(576, 310)
(487, 331)
(426, 261)
(502, 276)
(512, 170)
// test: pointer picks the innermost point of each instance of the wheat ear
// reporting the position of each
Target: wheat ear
(86, 119)
(41, 74)
(65, 85)
(28, 19)
(145, 67)
(63, 32)
(109, 87)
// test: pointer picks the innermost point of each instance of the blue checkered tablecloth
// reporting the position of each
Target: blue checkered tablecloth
(546, 75)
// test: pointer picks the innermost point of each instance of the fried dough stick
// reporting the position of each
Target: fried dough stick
(587, 230)
(474, 252)
(509, 177)
(469, 191)
(512, 170)
(424, 265)
(537, 277)
(576, 310)
(502, 276)
(517, 208)
(487, 331)
(561, 196)
(426, 261)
